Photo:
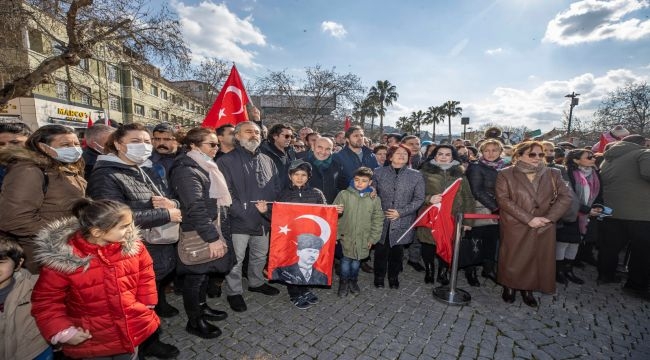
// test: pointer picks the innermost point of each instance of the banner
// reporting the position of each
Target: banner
(303, 237)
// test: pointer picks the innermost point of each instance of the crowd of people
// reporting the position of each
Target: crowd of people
(89, 234)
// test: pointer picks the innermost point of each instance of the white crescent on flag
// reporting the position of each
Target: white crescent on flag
(236, 91)
(324, 226)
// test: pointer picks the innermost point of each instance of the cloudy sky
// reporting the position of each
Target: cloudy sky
(506, 61)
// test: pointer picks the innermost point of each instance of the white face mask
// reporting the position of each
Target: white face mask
(138, 153)
(68, 154)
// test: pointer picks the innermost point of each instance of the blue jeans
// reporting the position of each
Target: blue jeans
(349, 268)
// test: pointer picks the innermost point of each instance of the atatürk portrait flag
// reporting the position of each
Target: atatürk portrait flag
(303, 237)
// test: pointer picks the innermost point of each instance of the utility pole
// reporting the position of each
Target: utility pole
(574, 102)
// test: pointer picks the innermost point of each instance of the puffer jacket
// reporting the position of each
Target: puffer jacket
(26, 208)
(402, 190)
(360, 224)
(625, 176)
(483, 181)
(112, 179)
(106, 290)
(250, 177)
(436, 180)
(19, 336)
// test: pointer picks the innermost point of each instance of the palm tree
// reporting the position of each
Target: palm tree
(417, 118)
(363, 109)
(370, 109)
(383, 94)
(433, 116)
(451, 109)
(404, 124)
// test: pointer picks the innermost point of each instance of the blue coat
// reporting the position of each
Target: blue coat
(350, 162)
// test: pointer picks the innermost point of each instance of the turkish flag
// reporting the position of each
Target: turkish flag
(230, 105)
(303, 237)
(440, 220)
(90, 122)
(601, 144)
(347, 124)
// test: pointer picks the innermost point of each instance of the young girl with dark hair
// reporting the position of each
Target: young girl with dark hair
(96, 292)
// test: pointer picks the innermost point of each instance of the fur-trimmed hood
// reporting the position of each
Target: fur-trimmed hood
(11, 154)
(454, 171)
(54, 246)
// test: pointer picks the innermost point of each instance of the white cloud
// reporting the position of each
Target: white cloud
(542, 107)
(334, 29)
(492, 52)
(596, 20)
(212, 30)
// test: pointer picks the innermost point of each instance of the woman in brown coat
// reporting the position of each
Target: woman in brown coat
(43, 180)
(532, 197)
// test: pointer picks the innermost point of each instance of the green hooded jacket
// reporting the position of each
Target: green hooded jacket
(361, 222)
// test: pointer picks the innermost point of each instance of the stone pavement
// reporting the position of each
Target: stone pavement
(580, 322)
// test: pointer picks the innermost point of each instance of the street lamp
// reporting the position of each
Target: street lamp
(574, 102)
(464, 121)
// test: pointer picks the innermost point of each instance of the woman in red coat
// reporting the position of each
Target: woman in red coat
(96, 291)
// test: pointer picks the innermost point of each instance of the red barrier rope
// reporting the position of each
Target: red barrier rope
(480, 216)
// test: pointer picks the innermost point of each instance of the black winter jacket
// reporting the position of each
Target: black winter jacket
(250, 177)
(329, 180)
(305, 195)
(281, 160)
(113, 180)
(190, 184)
(350, 161)
(483, 181)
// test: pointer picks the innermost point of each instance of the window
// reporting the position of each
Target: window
(85, 95)
(35, 40)
(138, 109)
(61, 89)
(155, 113)
(165, 117)
(114, 103)
(112, 73)
(137, 83)
(163, 94)
(153, 90)
(84, 64)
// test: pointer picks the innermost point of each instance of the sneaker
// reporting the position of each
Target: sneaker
(301, 302)
(311, 297)
(237, 303)
(265, 289)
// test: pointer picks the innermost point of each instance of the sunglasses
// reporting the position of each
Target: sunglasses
(590, 157)
(287, 136)
(534, 155)
(212, 145)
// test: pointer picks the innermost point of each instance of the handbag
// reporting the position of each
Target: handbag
(194, 252)
(471, 250)
(164, 234)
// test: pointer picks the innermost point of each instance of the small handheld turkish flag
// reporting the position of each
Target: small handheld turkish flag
(90, 121)
(303, 238)
(230, 105)
(347, 124)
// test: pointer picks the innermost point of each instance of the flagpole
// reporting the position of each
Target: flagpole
(449, 294)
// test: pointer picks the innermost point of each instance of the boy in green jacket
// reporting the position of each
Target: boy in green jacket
(359, 227)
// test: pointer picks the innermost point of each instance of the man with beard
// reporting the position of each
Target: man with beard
(278, 149)
(226, 140)
(355, 154)
(253, 180)
(165, 147)
(95, 137)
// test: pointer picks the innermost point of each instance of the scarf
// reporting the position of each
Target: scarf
(527, 168)
(496, 165)
(444, 166)
(586, 188)
(363, 192)
(218, 187)
(323, 164)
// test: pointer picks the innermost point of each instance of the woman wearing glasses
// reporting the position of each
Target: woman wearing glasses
(532, 197)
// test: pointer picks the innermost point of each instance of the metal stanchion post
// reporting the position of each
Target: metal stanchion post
(449, 294)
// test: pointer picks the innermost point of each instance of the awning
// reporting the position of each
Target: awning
(73, 124)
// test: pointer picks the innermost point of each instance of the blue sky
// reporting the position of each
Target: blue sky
(506, 61)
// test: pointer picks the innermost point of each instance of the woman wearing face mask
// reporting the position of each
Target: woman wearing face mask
(440, 170)
(124, 175)
(43, 180)
(532, 197)
(201, 188)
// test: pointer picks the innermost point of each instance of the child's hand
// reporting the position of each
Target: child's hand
(373, 194)
(262, 206)
(81, 336)
(339, 209)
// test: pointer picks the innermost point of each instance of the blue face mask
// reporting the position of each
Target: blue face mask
(68, 154)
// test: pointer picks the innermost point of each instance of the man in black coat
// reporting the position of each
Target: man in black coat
(303, 272)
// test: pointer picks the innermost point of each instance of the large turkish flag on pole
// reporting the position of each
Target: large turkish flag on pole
(230, 105)
(303, 238)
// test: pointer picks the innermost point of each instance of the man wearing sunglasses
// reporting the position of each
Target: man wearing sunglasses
(277, 147)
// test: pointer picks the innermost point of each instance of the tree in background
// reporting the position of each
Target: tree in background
(451, 109)
(434, 115)
(628, 106)
(383, 93)
(80, 29)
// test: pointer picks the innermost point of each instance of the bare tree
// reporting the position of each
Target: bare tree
(78, 29)
(628, 106)
(312, 100)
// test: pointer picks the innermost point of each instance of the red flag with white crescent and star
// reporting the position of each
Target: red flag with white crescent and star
(303, 238)
(230, 105)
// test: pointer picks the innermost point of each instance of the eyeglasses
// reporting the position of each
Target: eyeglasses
(212, 145)
(286, 136)
(589, 157)
(534, 155)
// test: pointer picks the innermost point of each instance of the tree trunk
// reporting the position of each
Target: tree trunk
(434, 132)
(449, 122)
(381, 126)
